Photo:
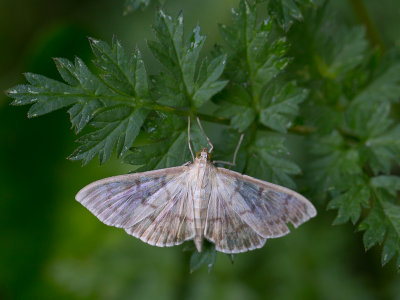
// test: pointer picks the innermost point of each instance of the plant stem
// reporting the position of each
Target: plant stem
(301, 130)
(372, 33)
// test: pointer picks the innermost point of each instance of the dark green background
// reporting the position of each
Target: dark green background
(53, 248)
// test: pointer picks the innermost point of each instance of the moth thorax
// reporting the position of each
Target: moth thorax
(203, 154)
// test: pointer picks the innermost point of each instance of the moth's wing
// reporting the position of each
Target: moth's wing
(170, 224)
(132, 201)
(263, 207)
(224, 227)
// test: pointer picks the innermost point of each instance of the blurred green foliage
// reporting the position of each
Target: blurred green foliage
(335, 88)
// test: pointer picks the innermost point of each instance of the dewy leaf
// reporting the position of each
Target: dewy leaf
(207, 256)
(390, 183)
(368, 121)
(236, 104)
(255, 59)
(334, 164)
(180, 58)
(375, 227)
(133, 5)
(384, 86)
(123, 73)
(207, 84)
(85, 90)
(82, 112)
(339, 50)
(167, 145)
(281, 106)
(168, 91)
(384, 150)
(285, 12)
(117, 127)
(116, 105)
(392, 241)
(380, 140)
(382, 225)
(168, 152)
(79, 75)
(267, 159)
(45, 94)
(349, 203)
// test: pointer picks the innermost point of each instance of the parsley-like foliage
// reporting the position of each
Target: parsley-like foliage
(273, 75)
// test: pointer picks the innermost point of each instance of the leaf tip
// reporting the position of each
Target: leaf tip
(27, 74)
(161, 13)
(57, 61)
(32, 115)
(10, 92)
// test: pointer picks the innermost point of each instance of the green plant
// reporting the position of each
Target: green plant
(271, 77)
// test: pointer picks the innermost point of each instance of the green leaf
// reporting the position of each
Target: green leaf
(384, 150)
(267, 160)
(340, 50)
(349, 203)
(392, 242)
(206, 256)
(124, 73)
(117, 126)
(379, 141)
(285, 12)
(281, 106)
(85, 90)
(207, 84)
(368, 121)
(82, 112)
(133, 5)
(115, 104)
(165, 153)
(235, 103)
(45, 94)
(383, 226)
(390, 183)
(384, 86)
(180, 58)
(374, 226)
(168, 91)
(256, 58)
(334, 165)
(167, 145)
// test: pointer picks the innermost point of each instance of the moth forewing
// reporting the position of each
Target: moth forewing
(123, 201)
(167, 225)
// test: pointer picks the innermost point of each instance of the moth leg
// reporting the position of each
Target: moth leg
(233, 163)
(203, 132)
(190, 146)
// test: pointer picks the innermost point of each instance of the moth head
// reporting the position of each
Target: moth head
(203, 154)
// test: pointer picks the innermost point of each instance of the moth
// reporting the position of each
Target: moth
(197, 201)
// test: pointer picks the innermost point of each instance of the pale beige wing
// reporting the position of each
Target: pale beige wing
(248, 207)
(169, 224)
(227, 230)
(136, 200)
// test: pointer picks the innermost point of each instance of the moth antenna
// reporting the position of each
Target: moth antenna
(203, 132)
(233, 163)
(190, 146)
